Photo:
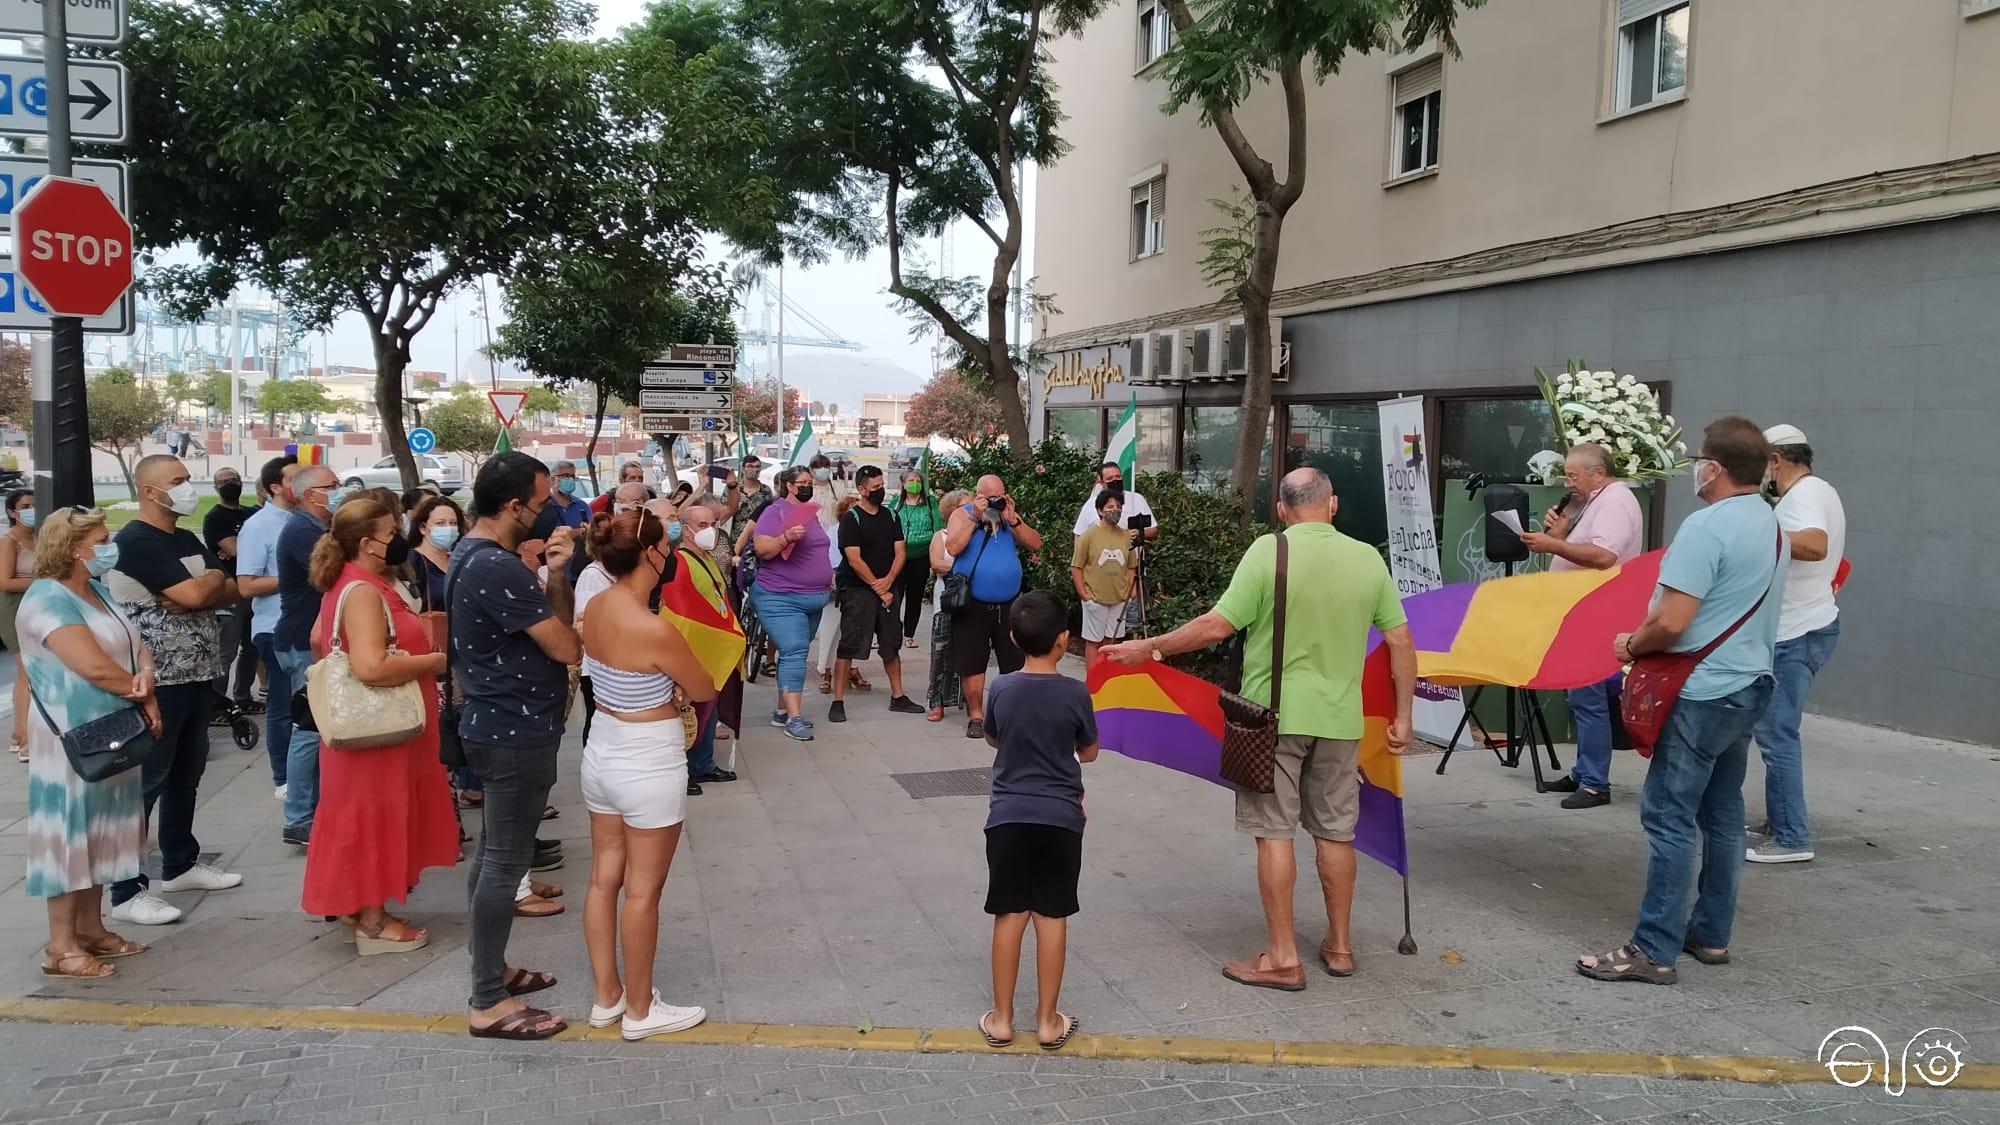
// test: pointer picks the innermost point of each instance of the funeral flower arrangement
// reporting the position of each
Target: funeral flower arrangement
(1615, 411)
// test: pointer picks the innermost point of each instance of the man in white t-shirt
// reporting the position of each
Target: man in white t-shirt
(1808, 629)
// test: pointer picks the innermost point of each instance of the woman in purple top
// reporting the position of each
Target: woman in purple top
(794, 572)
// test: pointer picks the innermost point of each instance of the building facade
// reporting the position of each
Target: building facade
(1787, 209)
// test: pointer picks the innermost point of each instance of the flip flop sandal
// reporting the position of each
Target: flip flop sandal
(522, 1024)
(550, 812)
(1626, 963)
(1063, 1039)
(521, 982)
(88, 967)
(113, 948)
(1704, 955)
(992, 1040)
(544, 890)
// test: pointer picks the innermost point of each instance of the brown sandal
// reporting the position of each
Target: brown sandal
(522, 1024)
(544, 890)
(535, 906)
(1627, 962)
(110, 947)
(521, 982)
(88, 966)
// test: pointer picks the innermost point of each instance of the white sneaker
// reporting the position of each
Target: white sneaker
(661, 1019)
(605, 1017)
(278, 793)
(1777, 853)
(146, 909)
(202, 877)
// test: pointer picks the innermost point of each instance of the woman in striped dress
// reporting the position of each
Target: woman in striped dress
(84, 661)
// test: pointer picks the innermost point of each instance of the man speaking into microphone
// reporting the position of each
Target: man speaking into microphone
(1597, 526)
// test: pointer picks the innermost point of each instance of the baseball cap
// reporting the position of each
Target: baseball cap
(1786, 435)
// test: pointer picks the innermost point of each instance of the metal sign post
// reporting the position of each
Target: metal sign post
(62, 427)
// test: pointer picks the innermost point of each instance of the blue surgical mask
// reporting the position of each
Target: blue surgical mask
(103, 560)
(27, 517)
(444, 538)
(335, 497)
(673, 531)
(566, 485)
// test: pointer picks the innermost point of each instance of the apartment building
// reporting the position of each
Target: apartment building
(1784, 208)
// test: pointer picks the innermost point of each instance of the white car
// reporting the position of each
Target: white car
(446, 474)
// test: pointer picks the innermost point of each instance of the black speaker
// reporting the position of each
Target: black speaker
(1502, 545)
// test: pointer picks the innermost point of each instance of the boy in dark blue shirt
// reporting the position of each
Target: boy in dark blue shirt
(1042, 724)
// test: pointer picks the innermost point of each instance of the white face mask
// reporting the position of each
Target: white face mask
(183, 498)
(705, 539)
(1702, 482)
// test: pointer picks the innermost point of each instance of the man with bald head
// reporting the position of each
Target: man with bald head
(317, 492)
(985, 539)
(170, 585)
(1335, 590)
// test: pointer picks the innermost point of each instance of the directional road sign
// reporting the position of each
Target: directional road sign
(699, 355)
(87, 21)
(688, 402)
(683, 424)
(20, 172)
(689, 378)
(74, 246)
(422, 440)
(21, 310)
(96, 99)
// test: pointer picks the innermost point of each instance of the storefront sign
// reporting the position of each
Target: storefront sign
(1070, 371)
(1413, 549)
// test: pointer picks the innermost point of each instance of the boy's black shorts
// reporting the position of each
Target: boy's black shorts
(1032, 868)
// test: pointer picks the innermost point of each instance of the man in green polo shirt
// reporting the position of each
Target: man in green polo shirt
(1338, 588)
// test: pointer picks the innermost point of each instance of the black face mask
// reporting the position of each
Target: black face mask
(396, 551)
(875, 495)
(805, 493)
(230, 490)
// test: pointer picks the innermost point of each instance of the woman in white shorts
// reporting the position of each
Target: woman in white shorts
(635, 770)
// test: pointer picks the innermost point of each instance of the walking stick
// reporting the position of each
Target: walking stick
(1408, 946)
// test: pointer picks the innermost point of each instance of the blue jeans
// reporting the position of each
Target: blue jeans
(277, 710)
(518, 779)
(1794, 665)
(1590, 709)
(701, 756)
(791, 620)
(302, 755)
(1696, 785)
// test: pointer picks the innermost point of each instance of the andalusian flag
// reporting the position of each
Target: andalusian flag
(696, 605)
(807, 447)
(924, 468)
(742, 439)
(503, 443)
(1123, 449)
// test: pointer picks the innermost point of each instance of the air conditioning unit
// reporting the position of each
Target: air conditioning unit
(1203, 355)
(1169, 365)
(1142, 347)
(1236, 349)
(1281, 353)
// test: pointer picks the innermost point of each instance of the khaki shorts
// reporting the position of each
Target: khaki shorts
(1316, 784)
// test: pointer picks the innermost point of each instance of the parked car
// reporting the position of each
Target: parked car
(446, 474)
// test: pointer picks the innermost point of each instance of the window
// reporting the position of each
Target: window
(1494, 436)
(1149, 218)
(1418, 96)
(1155, 453)
(1344, 441)
(1652, 51)
(1156, 32)
(1208, 445)
(1078, 429)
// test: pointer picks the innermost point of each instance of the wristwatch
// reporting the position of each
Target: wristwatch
(1154, 648)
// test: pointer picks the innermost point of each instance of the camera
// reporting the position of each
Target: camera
(997, 504)
(1138, 523)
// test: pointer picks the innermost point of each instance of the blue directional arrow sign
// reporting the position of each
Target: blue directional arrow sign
(96, 99)
(422, 440)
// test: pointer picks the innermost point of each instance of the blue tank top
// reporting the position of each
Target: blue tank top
(993, 563)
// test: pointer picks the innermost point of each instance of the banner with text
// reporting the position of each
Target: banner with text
(1413, 550)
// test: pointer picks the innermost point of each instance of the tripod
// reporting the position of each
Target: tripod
(1530, 734)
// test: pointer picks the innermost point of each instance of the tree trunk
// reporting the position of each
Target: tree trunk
(124, 466)
(596, 428)
(391, 356)
(1255, 293)
(1000, 362)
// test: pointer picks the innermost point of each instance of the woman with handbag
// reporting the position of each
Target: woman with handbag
(384, 810)
(87, 670)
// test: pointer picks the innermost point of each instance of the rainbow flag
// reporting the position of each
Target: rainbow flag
(1161, 715)
(697, 606)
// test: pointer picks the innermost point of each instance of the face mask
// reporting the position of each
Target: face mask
(621, 508)
(183, 498)
(914, 488)
(1701, 482)
(444, 538)
(875, 495)
(335, 497)
(230, 490)
(26, 517)
(566, 485)
(1112, 516)
(395, 552)
(822, 474)
(103, 559)
(805, 494)
(705, 539)
(673, 531)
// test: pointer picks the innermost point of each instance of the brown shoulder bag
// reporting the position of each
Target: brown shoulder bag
(1249, 730)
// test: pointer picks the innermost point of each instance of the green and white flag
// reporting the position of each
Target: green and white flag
(504, 442)
(742, 439)
(807, 447)
(1123, 449)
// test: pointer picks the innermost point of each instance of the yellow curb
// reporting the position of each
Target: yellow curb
(1252, 1052)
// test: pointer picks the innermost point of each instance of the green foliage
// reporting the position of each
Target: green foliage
(464, 423)
(294, 398)
(122, 412)
(955, 406)
(541, 400)
(213, 389)
(17, 400)
(1229, 246)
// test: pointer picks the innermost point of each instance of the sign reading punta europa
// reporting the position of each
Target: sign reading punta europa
(1071, 371)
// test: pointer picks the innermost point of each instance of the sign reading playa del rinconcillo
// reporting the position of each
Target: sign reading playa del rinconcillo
(690, 389)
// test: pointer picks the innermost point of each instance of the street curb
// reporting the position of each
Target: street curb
(1756, 1069)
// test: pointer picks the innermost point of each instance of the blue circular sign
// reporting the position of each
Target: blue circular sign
(422, 440)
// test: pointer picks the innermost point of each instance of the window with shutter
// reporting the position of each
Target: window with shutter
(1652, 51)
(1149, 217)
(1417, 98)
(1156, 32)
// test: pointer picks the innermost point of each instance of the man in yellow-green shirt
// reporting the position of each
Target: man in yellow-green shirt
(1338, 589)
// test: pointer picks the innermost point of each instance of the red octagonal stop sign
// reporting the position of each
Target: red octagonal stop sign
(73, 247)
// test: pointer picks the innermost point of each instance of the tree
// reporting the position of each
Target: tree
(915, 116)
(953, 405)
(178, 390)
(757, 401)
(1217, 59)
(213, 391)
(123, 411)
(17, 398)
(465, 424)
(297, 398)
(369, 155)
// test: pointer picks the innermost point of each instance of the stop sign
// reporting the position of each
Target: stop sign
(73, 247)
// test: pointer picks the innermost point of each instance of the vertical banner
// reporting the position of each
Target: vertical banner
(1413, 549)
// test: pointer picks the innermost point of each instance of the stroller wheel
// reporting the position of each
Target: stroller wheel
(245, 732)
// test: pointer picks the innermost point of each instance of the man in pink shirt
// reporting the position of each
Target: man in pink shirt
(1598, 527)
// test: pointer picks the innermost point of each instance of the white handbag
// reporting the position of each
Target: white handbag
(352, 715)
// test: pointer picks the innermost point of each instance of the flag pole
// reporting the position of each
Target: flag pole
(1408, 946)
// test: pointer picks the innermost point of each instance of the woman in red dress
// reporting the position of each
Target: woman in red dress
(384, 812)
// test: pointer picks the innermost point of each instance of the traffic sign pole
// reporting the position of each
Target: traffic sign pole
(62, 430)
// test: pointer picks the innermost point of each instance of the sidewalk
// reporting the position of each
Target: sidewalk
(818, 890)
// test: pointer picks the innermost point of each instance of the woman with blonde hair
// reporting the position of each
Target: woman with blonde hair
(83, 661)
(384, 812)
(635, 769)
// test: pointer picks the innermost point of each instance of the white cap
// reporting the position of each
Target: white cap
(1785, 435)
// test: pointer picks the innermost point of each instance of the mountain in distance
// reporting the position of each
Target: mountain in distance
(843, 377)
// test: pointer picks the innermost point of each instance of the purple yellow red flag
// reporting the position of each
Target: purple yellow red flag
(697, 606)
(307, 453)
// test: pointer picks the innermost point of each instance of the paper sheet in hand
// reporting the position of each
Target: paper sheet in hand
(1509, 519)
(797, 517)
